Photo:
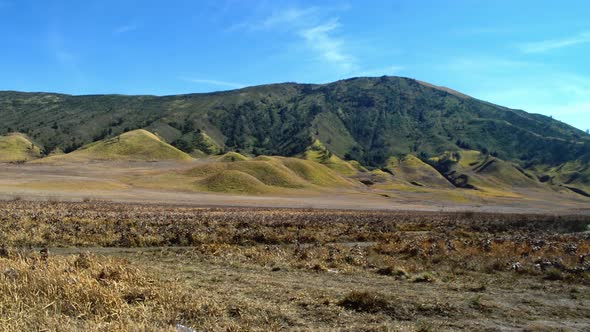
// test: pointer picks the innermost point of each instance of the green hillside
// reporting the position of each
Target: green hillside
(137, 145)
(363, 119)
(262, 175)
(413, 170)
(232, 156)
(17, 147)
(232, 181)
(319, 153)
(475, 170)
(573, 175)
(270, 172)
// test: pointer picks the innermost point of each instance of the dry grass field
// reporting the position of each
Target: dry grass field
(98, 266)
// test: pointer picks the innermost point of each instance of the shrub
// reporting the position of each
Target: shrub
(424, 277)
(553, 274)
(397, 272)
(364, 301)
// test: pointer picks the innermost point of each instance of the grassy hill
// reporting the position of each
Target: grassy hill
(17, 147)
(573, 175)
(261, 175)
(475, 170)
(363, 119)
(232, 181)
(269, 172)
(232, 156)
(416, 172)
(319, 153)
(137, 145)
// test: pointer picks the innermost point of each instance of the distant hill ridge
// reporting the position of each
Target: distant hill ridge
(364, 119)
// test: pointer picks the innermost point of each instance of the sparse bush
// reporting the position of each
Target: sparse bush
(397, 272)
(422, 326)
(364, 301)
(424, 277)
(553, 274)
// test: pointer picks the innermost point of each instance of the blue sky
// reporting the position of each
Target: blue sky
(525, 54)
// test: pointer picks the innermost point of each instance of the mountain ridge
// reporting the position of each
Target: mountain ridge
(366, 119)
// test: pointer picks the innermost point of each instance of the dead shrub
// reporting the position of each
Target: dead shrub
(364, 301)
(397, 272)
(424, 277)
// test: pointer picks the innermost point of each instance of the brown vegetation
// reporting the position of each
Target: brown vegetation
(276, 269)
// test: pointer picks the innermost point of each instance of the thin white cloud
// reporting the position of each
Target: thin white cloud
(232, 85)
(321, 39)
(315, 27)
(60, 52)
(289, 16)
(553, 44)
(565, 96)
(286, 19)
(125, 29)
(67, 59)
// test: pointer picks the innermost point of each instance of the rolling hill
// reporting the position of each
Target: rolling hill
(319, 153)
(136, 145)
(415, 171)
(17, 147)
(472, 169)
(261, 175)
(368, 120)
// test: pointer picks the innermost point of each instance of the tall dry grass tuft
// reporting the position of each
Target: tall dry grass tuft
(92, 293)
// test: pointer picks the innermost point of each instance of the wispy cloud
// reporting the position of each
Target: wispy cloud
(565, 96)
(61, 53)
(68, 59)
(125, 28)
(226, 84)
(321, 39)
(289, 16)
(316, 27)
(553, 44)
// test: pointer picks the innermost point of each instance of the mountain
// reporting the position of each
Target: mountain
(365, 119)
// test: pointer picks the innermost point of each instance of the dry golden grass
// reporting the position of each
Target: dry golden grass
(86, 293)
(94, 293)
(246, 269)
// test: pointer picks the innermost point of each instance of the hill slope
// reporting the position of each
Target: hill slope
(261, 175)
(475, 170)
(137, 145)
(365, 119)
(16, 147)
(413, 170)
(320, 154)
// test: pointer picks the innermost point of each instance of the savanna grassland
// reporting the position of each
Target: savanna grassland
(100, 266)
